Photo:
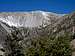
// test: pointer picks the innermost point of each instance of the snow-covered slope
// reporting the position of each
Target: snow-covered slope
(28, 19)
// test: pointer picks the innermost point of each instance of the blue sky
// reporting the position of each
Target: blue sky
(57, 6)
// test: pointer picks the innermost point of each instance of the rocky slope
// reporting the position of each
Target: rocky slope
(36, 23)
(30, 19)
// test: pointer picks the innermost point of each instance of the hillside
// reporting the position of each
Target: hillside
(25, 26)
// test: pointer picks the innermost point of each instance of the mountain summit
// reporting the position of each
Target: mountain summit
(28, 19)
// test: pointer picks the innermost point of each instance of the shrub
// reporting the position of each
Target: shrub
(49, 46)
(39, 46)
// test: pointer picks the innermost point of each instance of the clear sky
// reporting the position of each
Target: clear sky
(57, 6)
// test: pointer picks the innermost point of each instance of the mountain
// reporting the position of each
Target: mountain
(36, 23)
(27, 19)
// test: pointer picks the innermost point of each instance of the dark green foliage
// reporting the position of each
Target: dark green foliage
(39, 46)
(48, 46)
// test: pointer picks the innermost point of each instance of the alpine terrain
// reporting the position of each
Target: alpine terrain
(20, 28)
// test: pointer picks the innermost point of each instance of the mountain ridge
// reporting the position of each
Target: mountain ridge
(10, 17)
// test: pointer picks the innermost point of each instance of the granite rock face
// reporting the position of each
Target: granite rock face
(28, 19)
